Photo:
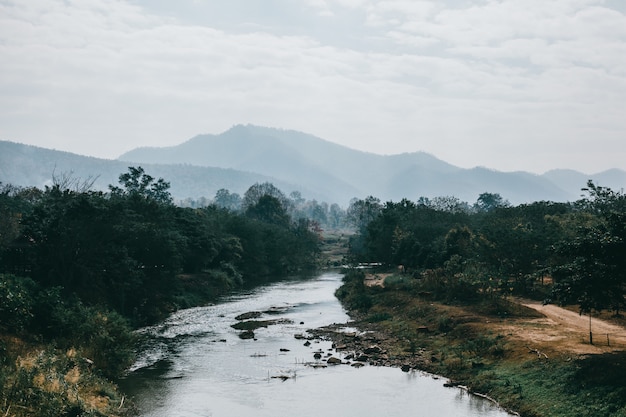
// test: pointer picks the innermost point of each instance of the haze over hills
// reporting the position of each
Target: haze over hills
(295, 161)
(26, 165)
(342, 173)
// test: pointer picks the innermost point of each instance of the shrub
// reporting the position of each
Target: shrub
(16, 302)
(353, 293)
(445, 324)
(104, 336)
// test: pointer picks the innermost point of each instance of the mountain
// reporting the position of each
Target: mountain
(296, 161)
(344, 173)
(26, 165)
(574, 180)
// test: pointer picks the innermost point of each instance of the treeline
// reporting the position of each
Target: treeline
(133, 251)
(80, 268)
(461, 251)
(321, 214)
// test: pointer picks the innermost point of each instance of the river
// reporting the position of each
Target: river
(195, 364)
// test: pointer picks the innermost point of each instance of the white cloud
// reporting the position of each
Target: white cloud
(467, 83)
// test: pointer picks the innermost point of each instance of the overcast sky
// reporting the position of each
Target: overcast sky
(506, 84)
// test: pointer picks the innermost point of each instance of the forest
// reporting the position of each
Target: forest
(492, 248)
(80, 269)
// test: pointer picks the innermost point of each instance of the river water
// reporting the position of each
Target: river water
(195, 364)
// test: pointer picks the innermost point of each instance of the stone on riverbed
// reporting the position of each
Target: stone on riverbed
(246, 334)
(334, 361)
(372, 350)
(249, 315)
(255, 324)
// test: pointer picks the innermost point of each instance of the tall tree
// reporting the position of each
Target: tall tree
(269, 209)
(361, 212)
(252, 196)
(489, 201)
(227, 200)
(136, 183)
(594, 273)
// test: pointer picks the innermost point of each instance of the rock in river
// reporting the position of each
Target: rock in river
(247, 334)
(334, 361)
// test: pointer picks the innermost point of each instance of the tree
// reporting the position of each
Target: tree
(137, 183)
(296, 198)
(594, 272)
(252, 196)
(459, 241)
(489, 201)
(361, 212)
(450, 204)
(227, 200)
(268, 209)
(336, 216)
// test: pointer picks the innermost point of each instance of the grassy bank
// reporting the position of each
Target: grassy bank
(41, 380)
(59, 357)
(478, 344)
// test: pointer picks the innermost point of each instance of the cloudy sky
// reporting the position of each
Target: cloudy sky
(507, 84)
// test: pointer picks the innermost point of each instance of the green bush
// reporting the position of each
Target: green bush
(353, 293)
(103, 336)
(16, 302)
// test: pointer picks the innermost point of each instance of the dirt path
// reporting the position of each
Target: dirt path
(564, 330)
(560, 330)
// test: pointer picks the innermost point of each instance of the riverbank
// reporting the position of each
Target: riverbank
(43, 380)
(495, 347)
(67, 360)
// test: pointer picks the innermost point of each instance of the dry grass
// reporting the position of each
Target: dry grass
(45, 381)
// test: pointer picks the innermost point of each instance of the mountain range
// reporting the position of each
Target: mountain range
(296, 161)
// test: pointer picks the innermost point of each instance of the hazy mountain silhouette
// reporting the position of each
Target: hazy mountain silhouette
(342, 173)
(573, 180)
(26, 165)
(295, 161)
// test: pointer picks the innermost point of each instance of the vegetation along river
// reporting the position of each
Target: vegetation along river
(195, 364)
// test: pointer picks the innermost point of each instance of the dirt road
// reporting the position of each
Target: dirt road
(564, 330)
(559, 331)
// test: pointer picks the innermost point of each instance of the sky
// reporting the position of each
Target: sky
(511, 85)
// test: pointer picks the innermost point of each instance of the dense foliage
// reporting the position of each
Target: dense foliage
(320, 215)
(447, 269)
(80, 268)
(492, 248)
(127, 249)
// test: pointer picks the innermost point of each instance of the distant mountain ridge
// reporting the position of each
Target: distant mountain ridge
(342, 172)
(296, 161)
(26, 165)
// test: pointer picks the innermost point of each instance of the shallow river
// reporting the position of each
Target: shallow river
(195, 364)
